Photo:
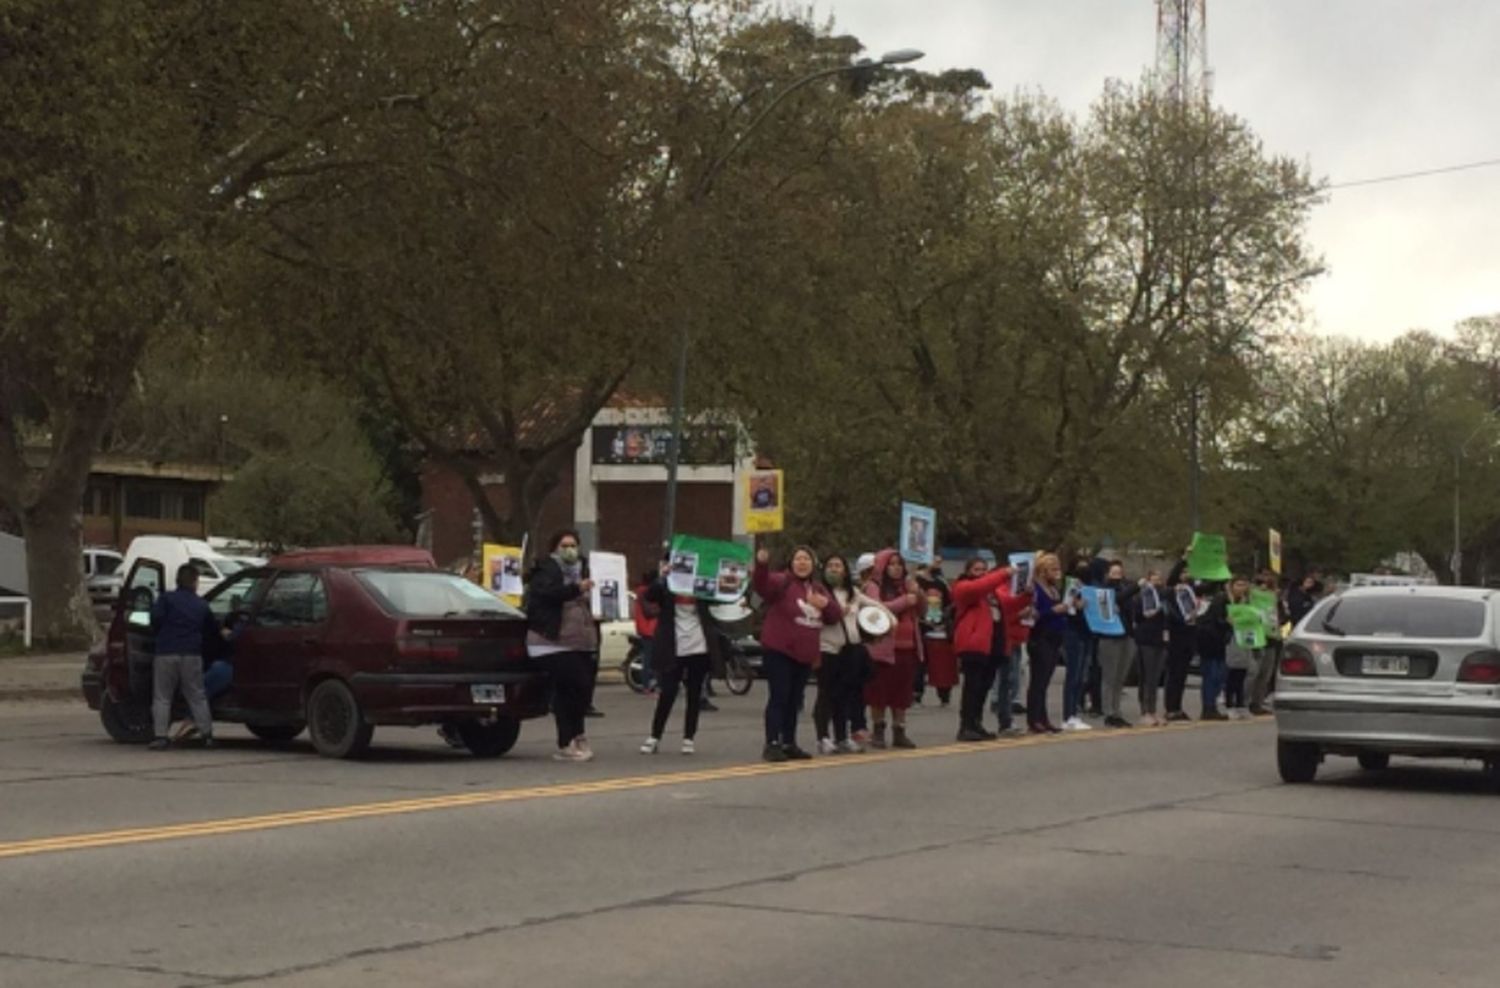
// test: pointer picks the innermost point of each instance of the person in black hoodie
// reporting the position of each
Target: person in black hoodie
(1149, 613)
(562, 633)
(688, 642)
(1116, 651)
(1214, 635)
(1182, 637)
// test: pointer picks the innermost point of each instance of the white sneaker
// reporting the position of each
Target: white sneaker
(585, 753)
(827, 747)
(570, 753)
(649, 746)
(1077, 724)
(850, 747)
(689, 747)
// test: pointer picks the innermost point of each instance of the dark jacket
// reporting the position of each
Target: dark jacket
(1151, 631)
(664, 643)
(183, 624)
(1214, 630)
(1176, 620)
(546, 593)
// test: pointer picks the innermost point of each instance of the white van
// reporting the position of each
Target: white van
(163, 554)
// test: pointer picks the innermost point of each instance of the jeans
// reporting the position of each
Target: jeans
(1265, 673)
(694, 668)
(1044, 650)
(1153, 658)
(786, 679)
(168, 672)
(572, 691)
(1077, 648)
(648, 673)
(1215, 671)
(1008, 681)
(1115, 656)
(1179, 656)
(217, 678)
(1234, 688)
(979, 672)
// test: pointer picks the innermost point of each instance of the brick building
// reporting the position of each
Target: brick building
(614, 492)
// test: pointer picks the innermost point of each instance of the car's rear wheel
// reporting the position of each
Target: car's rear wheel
(1374, 761)
(335, 723)
(489, 740)
(276, 733)
(126, 723)
(1297, 761)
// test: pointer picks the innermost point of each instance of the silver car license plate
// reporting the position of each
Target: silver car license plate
(1386, 665)
(487, 694)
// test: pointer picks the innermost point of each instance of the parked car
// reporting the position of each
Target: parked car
(1381, 671)
(103, 574)
(337, 642)
(169, 552)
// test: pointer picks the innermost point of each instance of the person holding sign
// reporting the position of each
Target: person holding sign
(979, 637)
(1182, 637)
(561, 632)
(1045, 647)
(1246, 642)
(686, 644)
(844, 666)
(1116, 647)
(797, 607)
(1269, 600)
(1149, 619)
(896, 655)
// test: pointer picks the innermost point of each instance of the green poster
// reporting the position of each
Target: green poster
(1208, 557)
(709, 569)
(1249, 626)
(1265, 602)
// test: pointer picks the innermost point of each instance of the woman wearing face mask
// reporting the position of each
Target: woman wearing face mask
(797, 607)
(1182, 638)
(841, 673)
(896, 655)
(687, 644)
(1150, 612)
(1239, 659)
(561, 632)
(1116, 651)
(979, 636)
(1045, 647)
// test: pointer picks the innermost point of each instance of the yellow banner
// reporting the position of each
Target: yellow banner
(1274, 555)
(765, 501)
(502, 572)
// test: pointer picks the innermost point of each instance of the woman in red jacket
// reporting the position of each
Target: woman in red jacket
(796, 608)
(979, 638)
(896, 655)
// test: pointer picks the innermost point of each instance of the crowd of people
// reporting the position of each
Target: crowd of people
(875, 637)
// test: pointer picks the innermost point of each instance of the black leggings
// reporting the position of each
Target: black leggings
(694, 668)
(840, 695)
(1234, 688)
(786, 678)
(979, 676)
(1179, 657)
(572, 688)
(1044, 650)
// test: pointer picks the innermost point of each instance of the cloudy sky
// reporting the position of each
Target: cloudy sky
(1356, 88)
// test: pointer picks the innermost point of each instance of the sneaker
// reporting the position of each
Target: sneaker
(1212, 713)
(860, 738)
(1052, 729)
(1075, 723)
(1119, 723)
(1259, 710)
(649, 746)
(968, 735)
(1179, 717)
(186, 731)
(708, 706)
(851, 747)
(1013, 731)
(796, 754)
(569, 753)
(827, 747)
(158, 744)
(1018, 709)
(593, 711)
(1038, 729)
(773, 753)
(689, 747)
(989, 735)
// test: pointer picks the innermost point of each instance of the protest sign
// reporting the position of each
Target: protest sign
(765, 509)
(708, 569)
(1264, 601)
(1249, 626)
(611, 575)
(1187, 603)
(502, 571)
(1208, 557)
(1150, 600)
(1102, 612)
(1022, 572)
(1273, 557)
(918, 533)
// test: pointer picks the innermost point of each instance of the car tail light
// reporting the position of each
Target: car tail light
(425, 650)
(515, 651)
(1298, 661)
(1481, 667)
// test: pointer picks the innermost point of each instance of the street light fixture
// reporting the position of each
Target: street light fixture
(900, 56)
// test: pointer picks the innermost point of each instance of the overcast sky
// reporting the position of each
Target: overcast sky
(1356, 88)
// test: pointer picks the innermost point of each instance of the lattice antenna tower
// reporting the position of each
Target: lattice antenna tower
(1182, 69)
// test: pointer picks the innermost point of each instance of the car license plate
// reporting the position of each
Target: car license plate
(487, 694)
(1387, 665)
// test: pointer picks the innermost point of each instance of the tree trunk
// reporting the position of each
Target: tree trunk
(61, 615)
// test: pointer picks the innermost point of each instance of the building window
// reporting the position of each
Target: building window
(98, 499)
(166, 505)
(143, 503)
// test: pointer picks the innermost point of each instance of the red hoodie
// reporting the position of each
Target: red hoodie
(792, 626)
(905, 635)
(974, 625)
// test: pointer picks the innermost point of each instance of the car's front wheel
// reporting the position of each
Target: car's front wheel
(1374, 761)
(126, 723)
(275, 733)
(1297, 761)
(489, 740)
(335, 723)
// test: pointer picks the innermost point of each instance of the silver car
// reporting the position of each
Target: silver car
(1381, 671)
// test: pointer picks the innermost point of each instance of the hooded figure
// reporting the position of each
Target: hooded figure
(897, 654)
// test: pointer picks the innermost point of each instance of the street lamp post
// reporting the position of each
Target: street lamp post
(1458, 458)
(900, 56)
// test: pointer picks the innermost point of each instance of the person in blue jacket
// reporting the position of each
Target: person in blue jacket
(184, 626)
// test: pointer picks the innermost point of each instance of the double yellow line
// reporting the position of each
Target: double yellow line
(360, 811)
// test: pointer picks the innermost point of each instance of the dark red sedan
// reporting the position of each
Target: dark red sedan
(336, 642)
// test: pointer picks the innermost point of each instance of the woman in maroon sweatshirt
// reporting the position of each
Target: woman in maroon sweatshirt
(796, 606)
(896, 655)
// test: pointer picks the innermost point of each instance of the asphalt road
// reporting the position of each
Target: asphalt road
(1141, 858)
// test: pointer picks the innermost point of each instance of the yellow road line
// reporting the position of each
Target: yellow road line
(335, 814)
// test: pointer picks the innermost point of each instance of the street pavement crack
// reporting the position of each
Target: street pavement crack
(199, 977)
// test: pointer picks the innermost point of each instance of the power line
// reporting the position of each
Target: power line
(1405, 176)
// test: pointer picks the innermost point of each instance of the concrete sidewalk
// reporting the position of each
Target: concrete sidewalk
(41, 677)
